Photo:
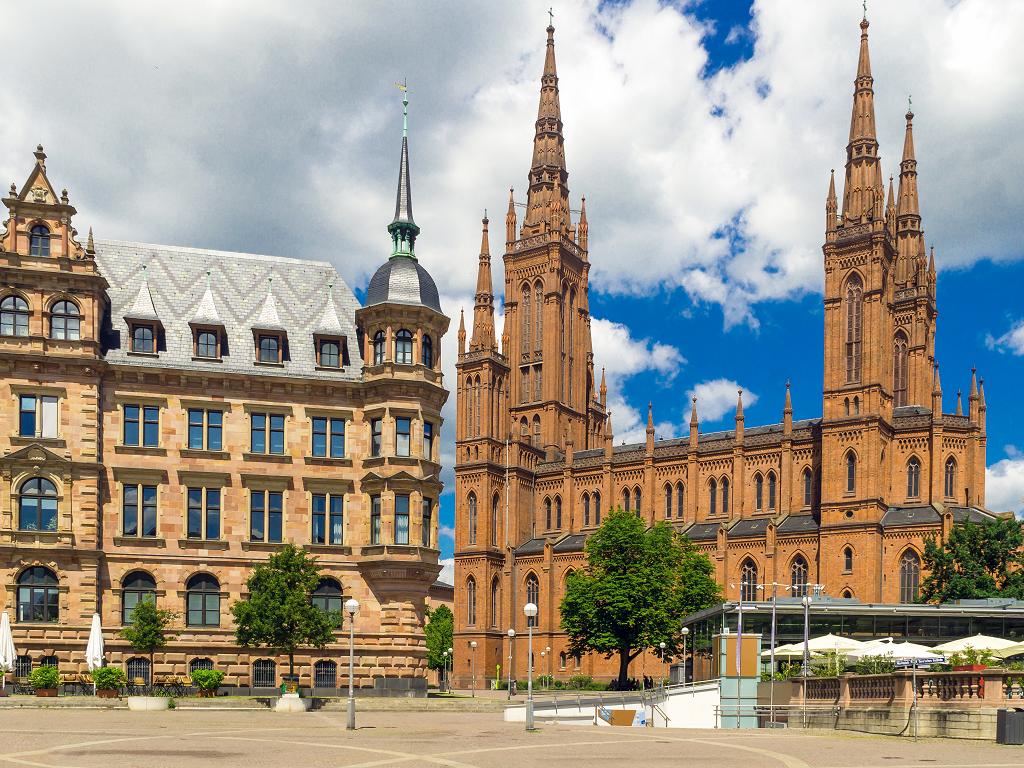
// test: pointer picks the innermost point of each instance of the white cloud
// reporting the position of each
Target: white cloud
(447, 574)
(446, 531)
(1012, 341)
(1004, 485)
(717, 397)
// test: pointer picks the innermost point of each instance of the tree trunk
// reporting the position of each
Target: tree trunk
(623, 667)
(291, 665)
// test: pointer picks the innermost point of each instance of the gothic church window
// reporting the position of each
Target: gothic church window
(854, 309)
(471, 601)
(848, 560)
(808, 487)
(494, 520)
(771, 491)
(625, 499)
(495, 601)
(950, 478)
(713, 496)
(748, 581)
(586, 509)
(472, 518)
(597, 508)
(798, 576)
(668, 501)
(533, 596)
(526, 312)
(636, 501)
(539, 325)
(913, 478)
(758, 492)
(910, 577)
(725, 496)
(899, 370)
(547, 514)
(558, 512)
(851, 472)
(680, 499)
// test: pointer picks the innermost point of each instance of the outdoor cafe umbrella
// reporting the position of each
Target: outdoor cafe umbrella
(788, 651)
(7, 652)
(94, 649)
(832, 643)
(1011, 650)
(911, 652)
(978, 643)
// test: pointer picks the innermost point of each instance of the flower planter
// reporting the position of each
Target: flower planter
(49, 693)
(107, 693)
(149, 703)
(208, 694)
(970, 668)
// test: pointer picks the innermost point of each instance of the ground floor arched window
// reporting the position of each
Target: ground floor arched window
(325, 674)
(264, 674)
(139, 671)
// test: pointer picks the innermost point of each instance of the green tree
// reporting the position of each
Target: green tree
(279, 613)
(637, 585)
(439, 628)
(976, 561)
(150, 629)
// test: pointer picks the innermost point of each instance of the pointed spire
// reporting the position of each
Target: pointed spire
(547, 205)
(483, 310)
(787, 412)
(830, 203)
(90, 246)
(650, 416)
(462, 332)
(604, 389)
(909, 204)
(403, 229)
(693, 412)
(936, 382)
(974, 384)
(510, 220)
(982, 408)
(142, 308)
(583, 227)
(608, 436)
(206, 311)
(739, 405)
(788, 407)
(959, 403)
(863, 181)
(972, 397)
(936, 394)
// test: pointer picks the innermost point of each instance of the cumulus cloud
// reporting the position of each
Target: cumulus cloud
(717, 397)
(447, 574)
(1012, 341)
(1004, 485)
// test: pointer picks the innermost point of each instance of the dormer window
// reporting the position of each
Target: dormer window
(207, 343)
(143, 338)
(331, 352)
(268, 348)
(39, 241)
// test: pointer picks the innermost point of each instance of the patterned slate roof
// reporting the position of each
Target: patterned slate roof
(403, 280)
(896, 517)
(177, 283)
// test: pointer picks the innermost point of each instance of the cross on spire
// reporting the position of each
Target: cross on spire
(551, 17)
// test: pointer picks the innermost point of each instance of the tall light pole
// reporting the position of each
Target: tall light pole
(542, 655)
(351, 606)
(686, 631)
(806, 600)
(771, 685)
(530, 609)
(472, 662)
(451, 667)
(444, 674)
(548, 651)
(511, 639)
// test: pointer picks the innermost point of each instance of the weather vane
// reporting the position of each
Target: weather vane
(865, 10)
(551, 16)
(910, 103)
(404, 88)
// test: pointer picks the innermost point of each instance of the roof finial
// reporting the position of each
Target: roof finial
(90, 246)
(551, 17)
(404, 88)
(865, 17)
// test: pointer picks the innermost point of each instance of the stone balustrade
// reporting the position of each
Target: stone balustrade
(938, 690)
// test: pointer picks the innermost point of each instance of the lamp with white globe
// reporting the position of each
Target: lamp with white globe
(530, 609)
(351, 606)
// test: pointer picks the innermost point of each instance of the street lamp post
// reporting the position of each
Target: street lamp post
(542, 655)
(451, 667)
(351, 606)
(686, 631)
(806, 600)
(547, 650)
(530, 609)
(511, 639)
(444, 671)
(472, 662)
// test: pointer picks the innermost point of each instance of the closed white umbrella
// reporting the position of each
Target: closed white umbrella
(7, 652)
(94, 649)
(978, 643)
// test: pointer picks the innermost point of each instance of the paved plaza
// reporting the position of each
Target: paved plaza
(253, 739)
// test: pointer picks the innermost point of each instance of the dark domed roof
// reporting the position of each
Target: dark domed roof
(401, 280)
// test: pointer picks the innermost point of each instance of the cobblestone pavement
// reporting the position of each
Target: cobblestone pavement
(252, 739)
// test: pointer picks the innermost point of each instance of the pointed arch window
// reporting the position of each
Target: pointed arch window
(851, 472)
(527, 312)
(539, 309)
(636, 501)
(808, 487)
(913, 478)
(748, 581)
(597, 508)
(471, 601)
(900, 363)
(558, 512)
(476, 406)
(536, 431)
(472, 518)
(713, 496)
(494, 520)
(758, 492)
(680, 499)
(798, 576)
(668, 501)
(65, 321)
(848, 560)
(547, 514)
(910, 576)
(427, 351)
(771, 491)
(725, 496)
(854, 311)
(39, 241)
(403, 347)
(14, 315)
(533, 596)
(495, 601)
(625, 499)
(949, 484)
(586, 510)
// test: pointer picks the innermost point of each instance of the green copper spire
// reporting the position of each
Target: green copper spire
(403, 229)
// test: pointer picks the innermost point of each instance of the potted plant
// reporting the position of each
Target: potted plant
(109, 681)
(207, 681)
(148, 633)
(971, 659)
(45, 681)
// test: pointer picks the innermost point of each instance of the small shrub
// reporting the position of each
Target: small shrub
(830, 664)
(875, 665)
(44, 677)
(207, 679)
(580, 682)
(970, 656)
(109, 678)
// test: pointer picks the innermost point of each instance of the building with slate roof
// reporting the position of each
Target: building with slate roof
(845, 500)
(171, 416)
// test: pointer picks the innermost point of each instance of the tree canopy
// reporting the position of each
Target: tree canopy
(279, 613)
(149, 630)
(440, 623)
(636, 587)
(978, 560)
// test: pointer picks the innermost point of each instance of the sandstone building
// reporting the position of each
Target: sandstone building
(845, 500)
(170, 416)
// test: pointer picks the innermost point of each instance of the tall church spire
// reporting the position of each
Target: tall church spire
(403, 229)
(910, 242)
(863, 186)
(547, 204)
(483, 311)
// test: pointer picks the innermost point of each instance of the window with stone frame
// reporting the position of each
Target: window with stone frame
(65, 320)
(266, 516)
(471, 601)
(203, 513)
(202, 601)
(38, 416)
(141, 425)
(39, 240)
(205, 429)
(143, 338)
(37, 505)
(267, 433)
(375, 523)
(403, 347)
(139, 510)
(402, 502)
(14, 316)
(136, 587)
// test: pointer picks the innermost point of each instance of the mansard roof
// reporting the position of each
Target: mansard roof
(177, 282)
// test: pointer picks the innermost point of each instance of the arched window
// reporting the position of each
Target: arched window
(39, 241)
(327, 597)
(713, 496)
(668, 501)
(206, 346)
(14, 314)
(403, 347)
(494, 520)
(798, 576)
(264, 673)
(378, 347)
(847, 594)
(427, 351)
(725, 496)
(476, 406)
(950, 478)
(771, 490)
(636, 501)
(848, 560)
(471, 601)
(38, 595)
(536, 431)
(625, 499)
(558, 512)
(199, 663)
(851, 472)
(547, 514)
(524, 430)
(533, 596)
(562, 658)
(37, 505)
(856, 405)
(913, 478)
(202, 601)
(538, 326)
(472, 518)
(854, 317)
(748, 581)
(586, 510)
(325, 674)
(900, 363)
(135, 587)
(910, 576)
(527, 312)
(597, 508)
(808, 487)
(144, 340)
(846, 404)
(680, 499)
(139, 671)
(758, 492)
(495, 601)
(65, 321)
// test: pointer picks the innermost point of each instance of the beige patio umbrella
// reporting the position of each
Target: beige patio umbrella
(785, 652)
(978, 643)
(836, 643)
(1011, 650)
